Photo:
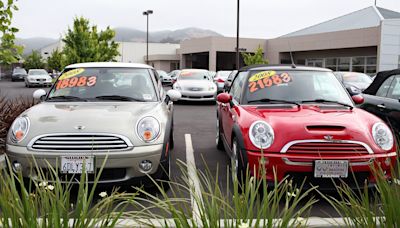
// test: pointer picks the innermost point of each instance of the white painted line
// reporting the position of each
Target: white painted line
(2, 161)
(195, 193)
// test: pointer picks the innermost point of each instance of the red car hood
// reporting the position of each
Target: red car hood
(310, 122)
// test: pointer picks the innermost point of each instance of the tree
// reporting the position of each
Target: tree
(56, 60)
(34, 61)
(256, 58)
(9, 51)
(83, 43)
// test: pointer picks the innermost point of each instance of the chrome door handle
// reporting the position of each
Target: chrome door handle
(381, 106)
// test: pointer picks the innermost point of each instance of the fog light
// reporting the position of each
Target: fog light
(17, 167)
(145, 165)
(388, 161)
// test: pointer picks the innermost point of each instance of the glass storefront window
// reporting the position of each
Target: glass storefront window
(371, 70)
(331, 61)
(344, 61)
(358, 61)
(371, 60)
(344, 68)
(360, 69)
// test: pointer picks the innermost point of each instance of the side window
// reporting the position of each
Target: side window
(394, 91)
(237, 86)
(384, 89)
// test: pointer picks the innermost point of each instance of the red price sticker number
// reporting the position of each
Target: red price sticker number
(82, 81)
(269, 81)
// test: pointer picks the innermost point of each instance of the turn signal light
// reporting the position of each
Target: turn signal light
(147, 135)
(19, 135)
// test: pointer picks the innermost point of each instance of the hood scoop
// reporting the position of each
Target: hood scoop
(325, 128)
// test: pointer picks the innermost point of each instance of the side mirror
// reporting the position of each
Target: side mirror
(38, 94)
(174, 95)
(224, 98)
(358, 99)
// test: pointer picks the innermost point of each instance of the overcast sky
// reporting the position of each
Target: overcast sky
(259, 18)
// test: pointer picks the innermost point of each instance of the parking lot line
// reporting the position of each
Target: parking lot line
(194, 182)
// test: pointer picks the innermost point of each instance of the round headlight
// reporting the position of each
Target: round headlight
(148, 129)
(19, 129)
(382, 135)
(261, 134)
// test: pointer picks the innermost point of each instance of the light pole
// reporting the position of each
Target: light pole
(237, 36)
(147, 13)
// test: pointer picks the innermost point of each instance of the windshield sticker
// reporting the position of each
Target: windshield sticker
(83, 81)
(147, 96)
(262, 75)
(269, 81)
(71, 73)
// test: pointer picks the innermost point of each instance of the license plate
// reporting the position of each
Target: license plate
(331, 169)
(75, 164)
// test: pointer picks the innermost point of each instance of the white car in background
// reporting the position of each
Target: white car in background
(38, 77)
(164, 77)
(220, 79)
(195, 85)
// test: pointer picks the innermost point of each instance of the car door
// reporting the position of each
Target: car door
(392, 105)
(376, 103)
(228, 112)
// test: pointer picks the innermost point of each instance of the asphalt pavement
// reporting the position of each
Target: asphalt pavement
(196, 121)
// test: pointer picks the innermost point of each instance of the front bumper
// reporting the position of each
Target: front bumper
(299, 167)
(120, 167)
(198, 95)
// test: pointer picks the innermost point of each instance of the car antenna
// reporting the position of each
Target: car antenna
(291, 55)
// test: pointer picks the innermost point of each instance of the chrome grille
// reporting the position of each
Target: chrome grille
(327, 148)
(80, 142)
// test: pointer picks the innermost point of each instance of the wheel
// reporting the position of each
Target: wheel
(237, 166)
(218, 139)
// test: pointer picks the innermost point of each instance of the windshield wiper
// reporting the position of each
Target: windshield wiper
(267, 100)
(69, 98)
(328, 101)
(118, 98)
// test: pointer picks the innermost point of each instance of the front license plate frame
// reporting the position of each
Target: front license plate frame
(331, 168)
(73, 164)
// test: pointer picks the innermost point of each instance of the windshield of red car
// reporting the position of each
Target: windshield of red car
(295, 86)
(128, 84)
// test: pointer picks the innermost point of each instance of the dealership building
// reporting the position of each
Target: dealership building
(367, 40)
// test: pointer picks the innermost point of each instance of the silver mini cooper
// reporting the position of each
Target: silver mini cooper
(95, 111)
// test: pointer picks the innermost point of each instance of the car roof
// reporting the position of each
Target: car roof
(194, 70)
(109, 64)
(283, 67)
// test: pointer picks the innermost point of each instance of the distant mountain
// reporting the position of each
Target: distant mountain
(35, 43)
(128, 34)
(166, 36)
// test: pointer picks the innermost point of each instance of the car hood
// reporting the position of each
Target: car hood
(94, 117)
(310, 122)
(359, 85)
(39, 76)
(204, 84)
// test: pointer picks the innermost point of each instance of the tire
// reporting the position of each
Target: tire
(238, 168)
(218, 138)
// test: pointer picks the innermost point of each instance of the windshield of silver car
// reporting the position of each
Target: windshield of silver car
(295, 86)
(194, 75)
(104, 84)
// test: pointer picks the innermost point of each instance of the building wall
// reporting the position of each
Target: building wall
(368, 37)
(389, 48)
(212, 45)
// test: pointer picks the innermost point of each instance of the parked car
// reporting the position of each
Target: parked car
(98, 111)
(38, 77)
(164, 77)
(195, 85)
(300, 122)
(354, 82)
(229, 80)
(382, 98)
(18, 74)
(174, 75)
(220, 79)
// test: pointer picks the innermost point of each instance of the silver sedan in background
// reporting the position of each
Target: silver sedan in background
(38, 77)
(196, 85)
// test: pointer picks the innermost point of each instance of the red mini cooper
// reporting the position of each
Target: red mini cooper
(301, 122)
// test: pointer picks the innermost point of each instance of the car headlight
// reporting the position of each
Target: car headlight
(19, 129)
(148, 129)
(261, 134)
(382, 135)
(354, 89)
